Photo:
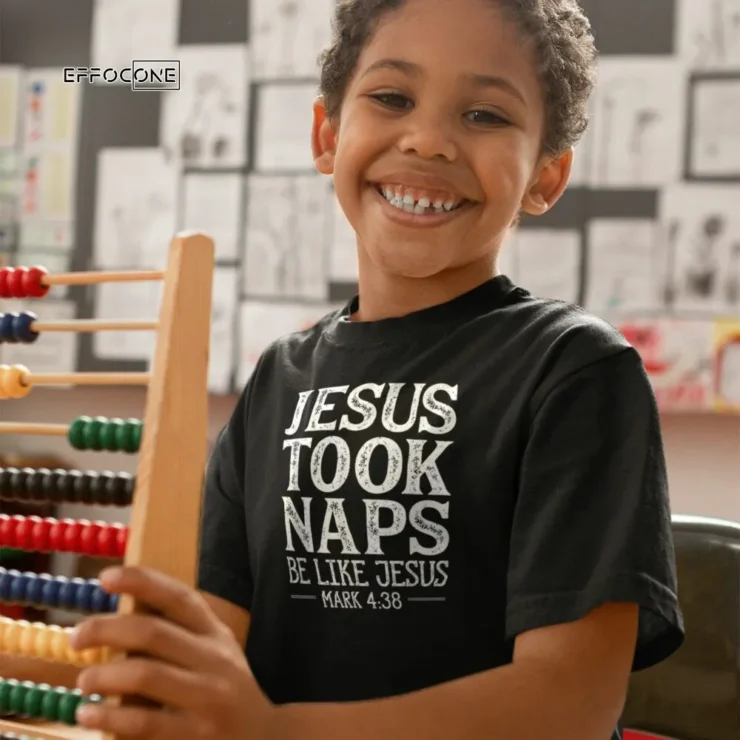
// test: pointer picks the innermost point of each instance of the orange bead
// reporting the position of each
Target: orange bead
(15, 381)
(12, 636)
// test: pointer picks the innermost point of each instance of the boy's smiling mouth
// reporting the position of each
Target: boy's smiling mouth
(419, 205)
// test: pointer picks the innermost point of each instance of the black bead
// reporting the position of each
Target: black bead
(35, 484)
(18, 484)
(72, 491)
(6, 492)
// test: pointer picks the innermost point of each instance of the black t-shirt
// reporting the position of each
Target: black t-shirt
(395, 501)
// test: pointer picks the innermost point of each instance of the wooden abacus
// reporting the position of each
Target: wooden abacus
(166, 491)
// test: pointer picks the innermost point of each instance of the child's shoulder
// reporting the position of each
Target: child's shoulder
(560, 338)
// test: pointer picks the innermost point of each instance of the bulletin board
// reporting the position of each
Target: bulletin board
(99, 177)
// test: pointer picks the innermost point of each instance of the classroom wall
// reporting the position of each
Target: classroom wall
(703, 451)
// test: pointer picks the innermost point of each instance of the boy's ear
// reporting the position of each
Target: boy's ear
(323, 139)
(549, 185)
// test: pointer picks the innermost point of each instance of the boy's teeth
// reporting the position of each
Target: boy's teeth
(407, 202)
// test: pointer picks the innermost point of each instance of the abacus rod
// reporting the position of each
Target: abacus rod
(91, 278)
(90, 325)
(29, 428)
(89, 379)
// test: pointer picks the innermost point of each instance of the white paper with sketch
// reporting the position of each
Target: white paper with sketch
(53, 351)
(623, 274)
(126, 30)
(283, 135)
(639, 123)
(715, 144)
(287, 36)
(547, 262)
(11, 86)
(204, 123)
(261, 322)
(51, 112)
(287, 239)
(703, 227)
(212, 203)
(135, 210)
(343, 251)
(708, 33)
(223, 327)
(127, 301)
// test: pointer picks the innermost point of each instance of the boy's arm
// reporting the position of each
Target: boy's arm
(567, 681)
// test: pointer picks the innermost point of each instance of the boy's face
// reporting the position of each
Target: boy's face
(439, 140)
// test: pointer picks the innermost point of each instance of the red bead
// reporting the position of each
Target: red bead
(6, 530)
(121, 540)
(16, 523)
(23, 533)
(40, 535)
(5, 273)
(71, 539)
(56, 534)
(32, 285)
(89, 538)
(15, 282)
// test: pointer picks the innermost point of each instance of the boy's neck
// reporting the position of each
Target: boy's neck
(386, 296)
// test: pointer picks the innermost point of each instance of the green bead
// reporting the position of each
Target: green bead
(92, 433)
(136, 433)
(34, 697)
(18, 697)
(68, 707)
(50, 704)
(109, 435)
(76, 432)
(130, 436)
(6, 686)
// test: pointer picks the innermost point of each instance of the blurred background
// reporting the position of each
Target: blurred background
(98, 176)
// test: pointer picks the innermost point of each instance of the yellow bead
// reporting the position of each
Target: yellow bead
(15, 381)
(59, 643)
(43, 644)
(12, 636)
(27, 640)
(4, 369)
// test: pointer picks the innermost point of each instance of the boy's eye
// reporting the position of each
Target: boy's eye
(485, 117)
(393, 100)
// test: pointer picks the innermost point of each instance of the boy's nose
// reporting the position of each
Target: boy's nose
(428, 140)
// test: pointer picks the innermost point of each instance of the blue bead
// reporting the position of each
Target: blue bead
(83, 597)
(18, 587)
(22, 327)
(68, 593)
(99, 601)
(7, 584)
(113, 602)
(35, 589)
(7, 328)
(51, 591)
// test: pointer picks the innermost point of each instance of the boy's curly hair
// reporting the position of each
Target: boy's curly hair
(558, 30)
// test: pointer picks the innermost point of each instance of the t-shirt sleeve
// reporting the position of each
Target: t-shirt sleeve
(592, 519)
(224, 568)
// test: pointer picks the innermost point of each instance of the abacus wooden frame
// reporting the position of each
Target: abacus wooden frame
(173, 451)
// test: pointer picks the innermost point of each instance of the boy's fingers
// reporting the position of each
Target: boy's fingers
(134, 723)
(160, 683)
(173, 600)
(138, 633)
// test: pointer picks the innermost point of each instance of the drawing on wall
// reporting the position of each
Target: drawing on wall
(704, 222)
(639, 123)
(283, 133)
(623, 267)
(11, 84)
(678, 357)
(288, 233)
(203, 124)
(287, 37)
(709, 33)
(727, 360)
(546, 262)
(715, 130)
(261, 322)
(125, 30)
(135, 217)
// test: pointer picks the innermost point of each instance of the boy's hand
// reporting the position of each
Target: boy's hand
(186, 660)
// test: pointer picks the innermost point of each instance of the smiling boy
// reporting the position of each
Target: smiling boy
(441, 512)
